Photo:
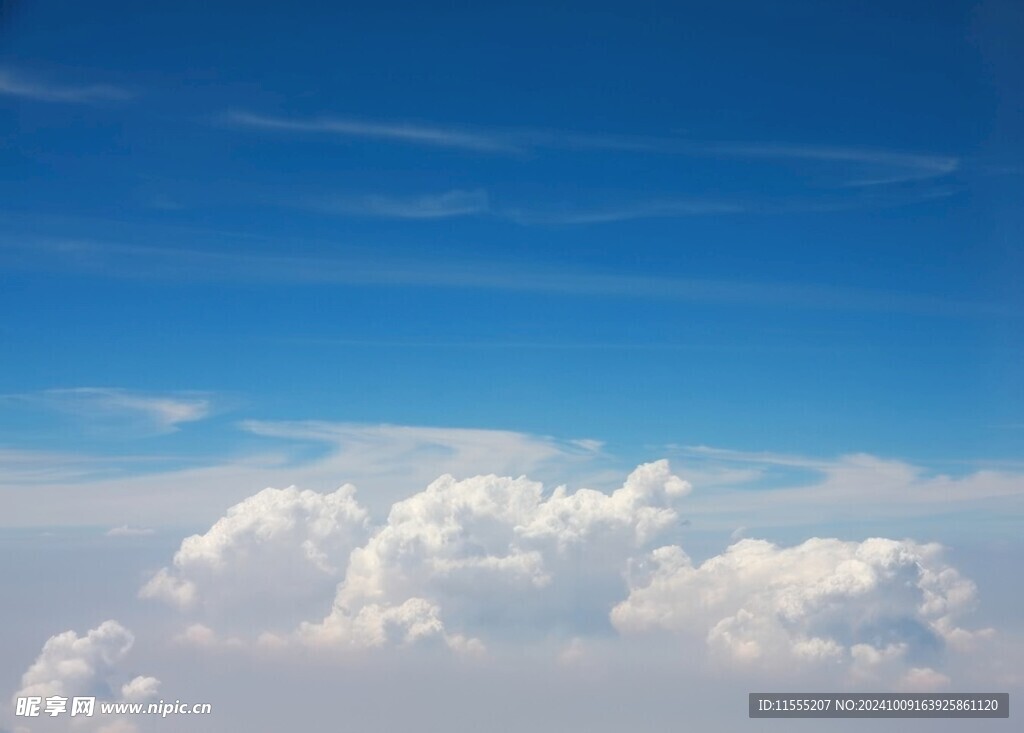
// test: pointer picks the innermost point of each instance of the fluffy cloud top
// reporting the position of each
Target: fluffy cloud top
(280, 544)
(463, 550)
(140, 689)
(494, 551)
(494, 559)
(868, 604)
(71, 665)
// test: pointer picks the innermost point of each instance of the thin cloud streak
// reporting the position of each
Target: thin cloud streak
(896, 166)
(134, 262)
(460, 203)
(879, 487)
(682, 208)
(384, 461)
(31, 467)
(140, 412)
(16, 85)
(658, 209)
(401, 132)
(917, 166)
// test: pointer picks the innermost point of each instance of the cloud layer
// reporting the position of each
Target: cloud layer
(500, 574)
(495, 560)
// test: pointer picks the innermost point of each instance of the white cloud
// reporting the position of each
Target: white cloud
(18, 85)
(70, 664)
(644, 209)
(458, 203)
(170, 588)
(387, 462)
(126, 411)
(496, 573)
(21, 467)
(488, 552)
(165, 412)
(490, 559)
(413, 133)
(201, 636)
(269, 554)
(862, 604)
(140, 689)
(414, 619)
(197, 635)
(854, 486)
(468, 552)
(866, 166)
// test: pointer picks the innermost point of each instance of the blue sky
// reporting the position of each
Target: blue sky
(660, 225)
(248, 246)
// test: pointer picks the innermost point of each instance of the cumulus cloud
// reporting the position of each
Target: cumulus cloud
(170, 588)
(485, 561)
(875, 605)
(201, 636)
(489, 553)
(70, 665)
(267, 557)
(197, 635)
(459, 552)
(140, 689)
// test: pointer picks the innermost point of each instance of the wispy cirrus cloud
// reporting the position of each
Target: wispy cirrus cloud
(867, 166)
(120, 409)
(32, 467)
(457, 203)
(405, 132)
(16, 84)
(679, 208)
(383, 460)
(739, 489)
(476, 202)
(808, 490)
(650, 209)
(164, 263)
(886, 166)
